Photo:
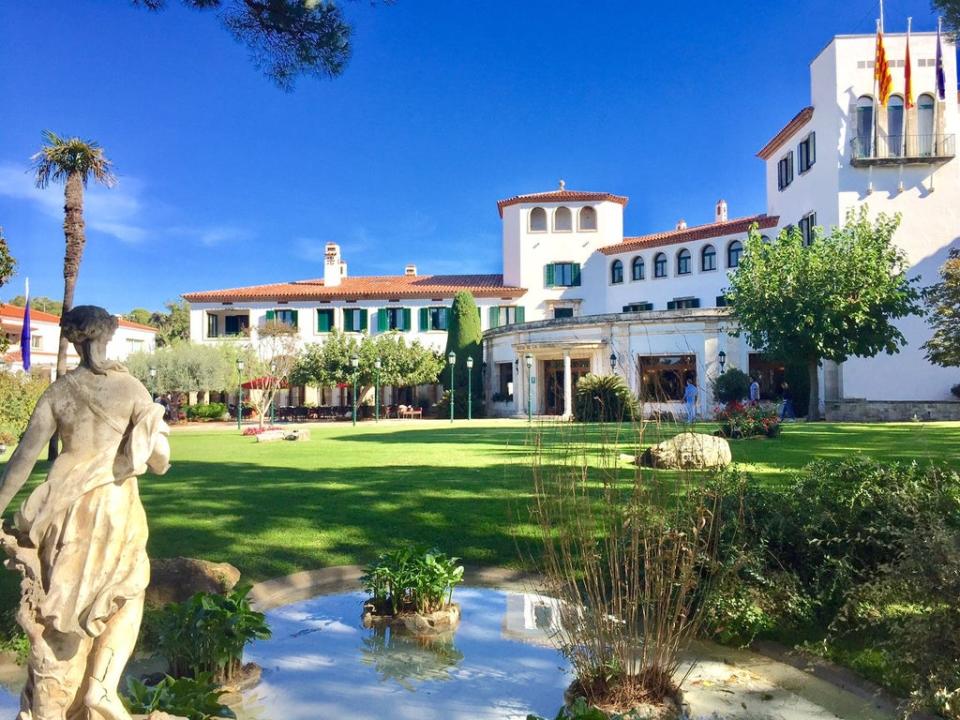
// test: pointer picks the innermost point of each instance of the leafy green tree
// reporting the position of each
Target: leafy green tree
(8, 267)
(951, 15)
(836, 298)
(186, 367)
(286, 38)
(140, 315)
(41, 303)
(70, 161)
(174, 324)
(943, 302)
(464, 338)
(327, 364)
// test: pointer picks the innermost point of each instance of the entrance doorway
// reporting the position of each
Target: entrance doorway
(553, 382)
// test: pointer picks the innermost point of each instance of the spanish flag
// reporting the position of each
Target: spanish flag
(881, 71)
(908, 85)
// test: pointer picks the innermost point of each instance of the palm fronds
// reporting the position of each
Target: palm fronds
(61, 157)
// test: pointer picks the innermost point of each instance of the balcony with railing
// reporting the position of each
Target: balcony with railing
(902, 150)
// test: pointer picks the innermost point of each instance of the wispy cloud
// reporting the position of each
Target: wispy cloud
(211, 235)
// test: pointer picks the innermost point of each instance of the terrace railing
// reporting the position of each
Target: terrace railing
(902, 149)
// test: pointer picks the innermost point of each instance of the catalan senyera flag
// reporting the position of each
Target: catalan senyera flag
(907, 84)
(881, 71)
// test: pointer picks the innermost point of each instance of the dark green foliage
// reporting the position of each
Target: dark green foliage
(460, 405)
(413, 580)
(207, 633)
(581, 710)
(463, 338)
(39, 302)
(8, 265)
(797, 377)
(943, 302)
(951, 17)
(195, 699)
(209, 411)
(731, 386)
(19, 394)
(604, 398)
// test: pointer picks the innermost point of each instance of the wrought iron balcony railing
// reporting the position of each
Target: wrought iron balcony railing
(902, 149)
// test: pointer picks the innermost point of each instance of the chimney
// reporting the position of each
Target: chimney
(410, 271)
(333, 268)
(721, 211)
(681, 224)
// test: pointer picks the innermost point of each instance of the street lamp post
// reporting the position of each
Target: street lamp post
(469, 388)
(355, 363)
(722, 357)
(452, 359)
(273, 399)
(529, 360)
(239, 392)
(153, 383)
(376, 390)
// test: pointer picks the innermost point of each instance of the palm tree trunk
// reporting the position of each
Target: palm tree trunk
(75, 239)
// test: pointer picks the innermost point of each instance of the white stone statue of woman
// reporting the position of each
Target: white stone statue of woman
(80, 537)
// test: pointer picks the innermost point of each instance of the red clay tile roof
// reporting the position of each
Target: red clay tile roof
(561, 196)
(697, 232)
(15, 312)
(366, 288)
(799, 120)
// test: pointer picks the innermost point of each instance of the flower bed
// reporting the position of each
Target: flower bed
(252, 431)
(739, 420)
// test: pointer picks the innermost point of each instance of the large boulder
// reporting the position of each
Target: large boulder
(688, 451)
(177, 579)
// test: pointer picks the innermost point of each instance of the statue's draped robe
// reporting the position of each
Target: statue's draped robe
(86, 526)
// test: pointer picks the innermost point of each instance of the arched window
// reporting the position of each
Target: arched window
(708, 258)
(616, 272)
(538, 220)
(562, 220)
(683, 262)
(895, 126)
(660, 265)
(863, 143)
(734, 251)
(925, 128)
(588, 218)
(636, 268)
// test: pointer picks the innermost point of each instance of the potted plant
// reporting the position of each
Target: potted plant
(412, 590)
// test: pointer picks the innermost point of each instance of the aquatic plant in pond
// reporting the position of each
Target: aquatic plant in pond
(412, 580)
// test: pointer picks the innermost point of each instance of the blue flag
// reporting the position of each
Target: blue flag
(25, 333)
(941, 78)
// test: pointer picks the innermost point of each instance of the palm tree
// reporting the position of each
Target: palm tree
(70, 161)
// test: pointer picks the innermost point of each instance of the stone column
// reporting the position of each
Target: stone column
(567, 386)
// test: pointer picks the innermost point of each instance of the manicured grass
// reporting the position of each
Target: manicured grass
(275, 508)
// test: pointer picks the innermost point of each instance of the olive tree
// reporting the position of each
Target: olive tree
(833, 299)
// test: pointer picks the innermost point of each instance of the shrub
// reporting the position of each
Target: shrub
(731, 386)
(207, 634)
(19, 393)
(412, 580)
(460, 406)
(210, 411)
(604, 398)
(195, 699)
(738, 420)
(255, 430)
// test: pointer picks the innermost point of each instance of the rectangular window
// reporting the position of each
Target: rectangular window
(36, 342)
(213, 326)
(393, 318)
(562, 274)
(133, 345)
(354, 320)
(722, 301)
(439, 318)
(506, 315)
(235, 325)
(325, 320)
(638, 307)
(287, 317)
(562, 312)
(505, 381)
(683, 303)
(807, 152)
(663, 377)
(807, 223)
(785, 171)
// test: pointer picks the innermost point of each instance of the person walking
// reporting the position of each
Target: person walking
(690, 398)
(787, 408)
(754, 391)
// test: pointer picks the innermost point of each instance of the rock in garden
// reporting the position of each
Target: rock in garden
(177, 579)
(688, 451)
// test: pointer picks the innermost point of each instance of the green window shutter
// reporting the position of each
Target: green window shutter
(424, 319)
(347, 320)
(494, 316)
(271, 315)
(548, 275)
(520, 313)
(296, 318)
(406, 319)
(575, 274)
(382, 320)
(324, 320)
(363, 320)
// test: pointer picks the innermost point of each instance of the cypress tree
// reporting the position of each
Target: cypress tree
(464, 338)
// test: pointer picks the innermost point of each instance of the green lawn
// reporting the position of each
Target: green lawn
(275, 508)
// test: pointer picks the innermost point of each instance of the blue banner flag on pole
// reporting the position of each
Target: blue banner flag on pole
(25, 332)
(941, 77)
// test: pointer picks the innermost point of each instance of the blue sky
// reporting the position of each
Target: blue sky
(445, 108)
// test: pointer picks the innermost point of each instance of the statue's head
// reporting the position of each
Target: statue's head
(90, 328)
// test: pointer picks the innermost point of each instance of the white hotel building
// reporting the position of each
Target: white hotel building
(577, 295)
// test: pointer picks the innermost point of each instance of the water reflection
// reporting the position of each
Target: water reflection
(403, 659)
